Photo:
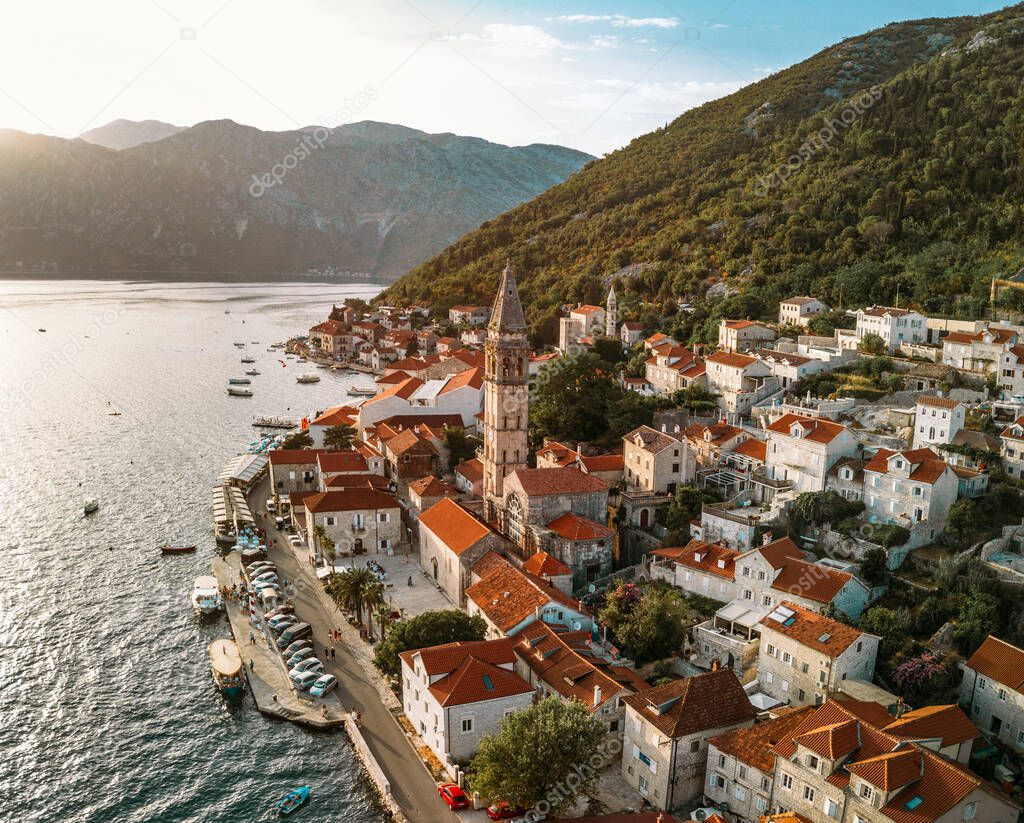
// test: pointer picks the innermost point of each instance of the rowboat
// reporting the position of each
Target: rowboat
(292, 801)
(167, 548)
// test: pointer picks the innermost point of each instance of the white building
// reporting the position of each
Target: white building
(456, 694)
(790, 368)
(584, 322)
(743, 335)
(977, 351)
(739, 380)
(1011, 373)
(801, 450)
(895, 326)
(655, 461)
(1011, 442)
(796, 311)
(937, 420)
(672, 367)
(992, 691)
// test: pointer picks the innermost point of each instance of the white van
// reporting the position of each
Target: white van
(271, 505)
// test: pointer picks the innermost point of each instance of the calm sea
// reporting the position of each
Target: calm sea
(107, 709)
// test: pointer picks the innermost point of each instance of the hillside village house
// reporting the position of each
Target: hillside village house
(336, 416)
(357, 520)
(509, 599)
(741, 765)
(937, 420)
(332, 337)
(456, 694)
(469, 476)
(1011, 372)
(894, 326)
(631, 333)
(564, 664)
(978, 351)
(657, 461)
(796, 311)
(664, 749)
(550, 570)
(451, 541)
(739, 380)
(707, 569)
(790, 368)
(672, 367)
(1011, 441)
(743, 335)
(427, 491)
(469, 315)
(584, 545)
(294, 470)
(801, 450)
(992, 691)
(909, 488)
(803, 657)
(711, 443)
(840, 763)
(583, 322)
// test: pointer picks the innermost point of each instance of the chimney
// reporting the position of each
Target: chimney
(597, 695)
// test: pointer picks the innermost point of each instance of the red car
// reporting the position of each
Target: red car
(453, 796)
(502, 811)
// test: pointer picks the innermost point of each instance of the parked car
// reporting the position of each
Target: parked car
(295, 540)
(268, 576)
(280, 522)
(325, 684)
(502, 811)
(271, 505)
(315, 668)
(282, 609)
(294, 647)
(281, 621)
(308, 663)
(304, 680)
(260, 566)
(453, 796)
(259, 585)
(299, 656)
(299, 631)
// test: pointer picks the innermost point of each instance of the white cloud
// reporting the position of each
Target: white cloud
(610, 41)
(512, 40)
(618, 21)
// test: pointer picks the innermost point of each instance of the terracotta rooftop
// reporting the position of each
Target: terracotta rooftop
(353, 481)
(811, 629)
(716, 433)
(783, 357)
(891, 770)
(431, 486)
(543, 564)
(403, 390)
(926, 465)
(798, 301)
(475, 681)
(816, 431)
(938, 402)
(348, 500)
(881, 311)
(650, 439)
(731, 359)
(338, 416)
(571, 526)
(472, 470)
(540, 482)
(692, 704)
(453, 525)
(447, 657)
(753, 448)
(472, 378)
(753, 745)
(999, 661)
(344, 462)
(509, 596)
(293, 457)
(712, 558)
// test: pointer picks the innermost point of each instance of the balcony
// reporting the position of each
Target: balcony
(761, 478)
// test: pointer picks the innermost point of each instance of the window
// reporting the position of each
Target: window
(970, 810)
(866, 791)
(1002, 694)
(741, 772)
(812, 762)
(467, 725)
(769, 677)
(721, 761)
(382, 517)
(802, 696)
(771, 650)
(384, 544)
(787, 657)
(741, 793)
(695, 746)
(787, 781)
(981, 683)
(831, 807)
(808, 794)
(762, 804)
(642, 785)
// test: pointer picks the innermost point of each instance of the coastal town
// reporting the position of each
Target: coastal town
(777, 598)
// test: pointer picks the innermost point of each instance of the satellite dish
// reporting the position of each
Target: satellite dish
(700, 814)
(576, 625)
(591, 588)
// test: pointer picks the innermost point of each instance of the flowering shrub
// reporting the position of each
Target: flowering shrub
(919, 674)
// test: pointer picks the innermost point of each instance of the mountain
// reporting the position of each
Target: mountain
(124, 134)
(888, 162)
(220, 198)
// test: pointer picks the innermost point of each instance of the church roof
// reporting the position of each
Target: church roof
(508, 311)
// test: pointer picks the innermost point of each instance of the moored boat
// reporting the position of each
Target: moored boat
(274, 423)
(361, 391)
(252, 372)
(292, 801)
(234, 391)
(239, 381)
(167, 548)
(91, 505)
(206, 597)
(248, 359)
(226, 666)
(308, 377)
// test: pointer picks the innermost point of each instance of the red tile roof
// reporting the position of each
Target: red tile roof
(293, 457)
(998, 660)
(753, 745)
(938, 402)
(352, 481)
(692, 704)
(543, 564)
(473, 378)
(403, 390)
(797, 576)
(891, 770)
(712, 558)
(754, 449)
(731, 359)
(453, 525)
(571, 526)
(817, 431)
(431, 486)
(348, 500)
(539, 482)
(509, 596)
(338, 416)
(472, 470)
(945, 723)
(448, 657)
(813, 630)
(344, 462)
(926, 465)
(716, 433)
(603, 462)
(475, 681)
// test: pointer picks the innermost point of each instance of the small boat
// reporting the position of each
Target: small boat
(308, 377)
(43, 330)
(206, 597)
(167, 548)
(361, 391)
(91, 505)
(273, 423)
(292, 801)
(239, 381)
(252, 372)
(226, 667)
(236, 392)
(114, 414)
(248, 359)
(240, 345)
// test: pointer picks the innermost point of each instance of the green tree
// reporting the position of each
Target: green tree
(572, 399)
(339, 437)
(685, 506)
(349, 589)
(459, 446)
(424, 630)
(872, 343)
(978, 618)
(326, 542)
(963, 522)
(537, 755)
(373, 600)
(874, 566)
(648, 623)
(890, 625)
(298, 440)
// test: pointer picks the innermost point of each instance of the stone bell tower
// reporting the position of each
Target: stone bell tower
(506, 394)
(611, 315)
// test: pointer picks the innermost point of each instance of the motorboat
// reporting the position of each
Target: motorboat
(361, 391)
(252, 372)
(273, 423)
(239, 381)
(91, 505)
(292, 801)
(237, 392)
(308, 377)
(167, 548)
(239, 345)
(248, 359)
(226, 667)
(206, 597)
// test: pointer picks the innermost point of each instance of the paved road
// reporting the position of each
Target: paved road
(411, 785)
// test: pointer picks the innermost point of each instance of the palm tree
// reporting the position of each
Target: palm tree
(373, 599)
(325, 541)
(339, 438)
(348, 589)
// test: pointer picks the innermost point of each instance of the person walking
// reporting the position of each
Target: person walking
(252, 664)
(252, 638)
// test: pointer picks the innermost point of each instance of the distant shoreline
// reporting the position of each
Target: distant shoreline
(195, 277)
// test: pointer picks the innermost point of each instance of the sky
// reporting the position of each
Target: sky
(590, 75)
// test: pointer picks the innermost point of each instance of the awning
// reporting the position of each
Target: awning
(738, 613)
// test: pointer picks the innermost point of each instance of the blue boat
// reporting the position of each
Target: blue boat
(293, 800)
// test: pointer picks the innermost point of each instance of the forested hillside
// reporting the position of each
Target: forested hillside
(888, 160)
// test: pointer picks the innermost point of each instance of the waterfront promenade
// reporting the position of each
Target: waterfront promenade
(412, 787)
